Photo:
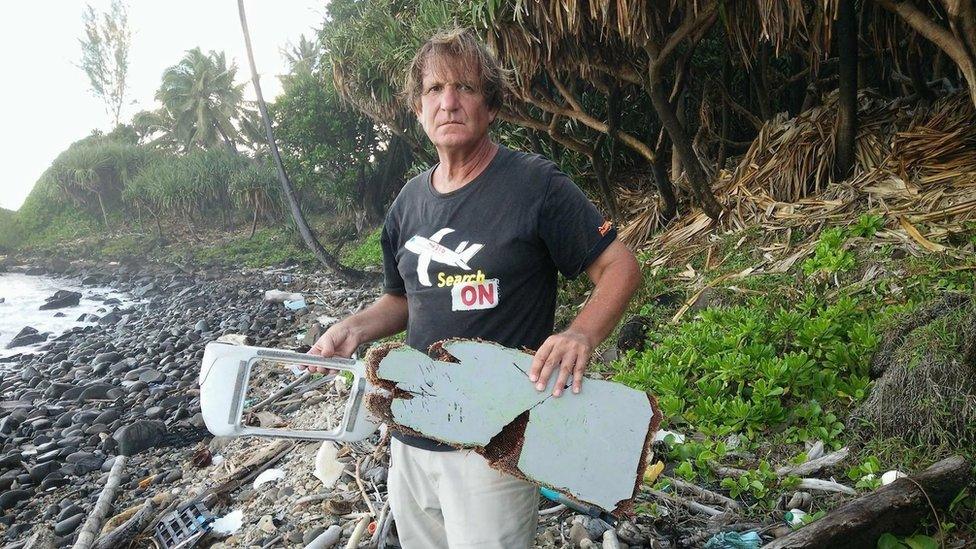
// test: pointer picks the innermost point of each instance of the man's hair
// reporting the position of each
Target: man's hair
(462, 45)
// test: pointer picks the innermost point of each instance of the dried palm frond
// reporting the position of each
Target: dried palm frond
(913, 167)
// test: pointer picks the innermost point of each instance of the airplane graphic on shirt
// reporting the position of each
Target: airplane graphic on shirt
(430, 249)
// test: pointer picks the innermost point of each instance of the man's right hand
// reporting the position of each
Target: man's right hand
(338, 340)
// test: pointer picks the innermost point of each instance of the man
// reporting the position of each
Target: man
(471, 249)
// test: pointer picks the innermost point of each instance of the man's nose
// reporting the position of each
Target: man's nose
(450, 99)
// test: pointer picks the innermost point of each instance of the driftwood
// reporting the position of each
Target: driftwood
(896, 508)
(693, 506)
(247, 471)
(705, 495)
(128, 529)
(825, 486)
(88, 532)
(357, 534)
(814, 465)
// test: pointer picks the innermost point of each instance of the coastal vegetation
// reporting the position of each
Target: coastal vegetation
(797, 178)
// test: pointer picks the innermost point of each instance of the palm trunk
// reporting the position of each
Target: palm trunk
(101, 206)
(846, 130)
(308, 236)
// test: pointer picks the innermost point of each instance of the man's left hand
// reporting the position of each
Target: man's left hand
(568, 352)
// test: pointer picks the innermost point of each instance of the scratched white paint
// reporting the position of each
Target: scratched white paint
(466, 403)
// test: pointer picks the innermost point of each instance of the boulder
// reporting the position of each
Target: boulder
(60, 299)
(26, 336)
(138, 436)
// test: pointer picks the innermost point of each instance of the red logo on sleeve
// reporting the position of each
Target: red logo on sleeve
(605, 228)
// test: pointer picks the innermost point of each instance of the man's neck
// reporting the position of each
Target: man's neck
(458, 168)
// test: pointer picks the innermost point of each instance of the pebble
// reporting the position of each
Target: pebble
(102, 389)
(68, 525)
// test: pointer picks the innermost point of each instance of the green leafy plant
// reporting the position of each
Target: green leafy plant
(867, 225)
(758, 482)
(918, 541)
(829, 256)
(867, 475)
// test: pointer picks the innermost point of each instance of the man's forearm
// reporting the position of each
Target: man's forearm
(385, 317)
(614, 286)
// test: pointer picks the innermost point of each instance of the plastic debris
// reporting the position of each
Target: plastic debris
(184, 527)
(233, 339)
(652, 472)
(278, 296)
(734, 540)
(328, 469)
(229, 523)
(662, 434)
(268, 475)
(891, 476)
(794, 517)
(295, 304)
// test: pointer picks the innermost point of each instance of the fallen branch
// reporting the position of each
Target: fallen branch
(687, 504)
(703, 494)
(132, 527)
(723, 471)
(814, 465)
(88, 532)
(279, 393)
(384, 516)
(896, 508)
(825, 486)
(362, 488)
(357, 534)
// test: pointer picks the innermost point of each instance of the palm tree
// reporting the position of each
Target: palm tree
(202, 100)
(308, 236)
(302, 57)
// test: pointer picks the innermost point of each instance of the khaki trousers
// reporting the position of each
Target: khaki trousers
(455, 500)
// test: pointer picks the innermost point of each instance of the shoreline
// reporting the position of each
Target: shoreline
(130, 383)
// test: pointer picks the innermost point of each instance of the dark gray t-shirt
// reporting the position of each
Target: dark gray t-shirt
(481, 261)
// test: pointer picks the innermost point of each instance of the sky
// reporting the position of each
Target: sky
(46, 97)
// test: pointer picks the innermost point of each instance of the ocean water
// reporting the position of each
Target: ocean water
(23, 295)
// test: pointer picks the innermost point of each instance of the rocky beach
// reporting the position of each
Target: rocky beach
(126, 384)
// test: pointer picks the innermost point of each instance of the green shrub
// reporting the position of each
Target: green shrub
(367, 254)
(747, 369)
(830, 256)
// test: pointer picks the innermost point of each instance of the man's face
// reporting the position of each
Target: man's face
(453, 111)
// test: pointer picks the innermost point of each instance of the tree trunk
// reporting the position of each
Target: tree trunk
(758, 78)
(956, 47)
(897, 508)
(724, 131)
(101, 206)
(700, 185)
(254, 218)
(664, 186)
(845, 135)
(231, 147)
(917, 75)
(679, 111)
(330, 262)
(606, 193)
